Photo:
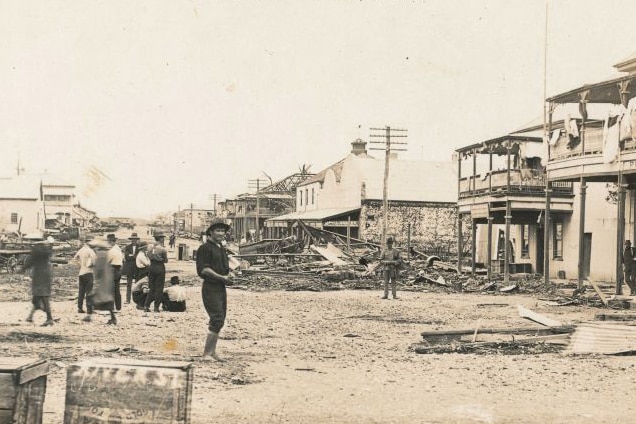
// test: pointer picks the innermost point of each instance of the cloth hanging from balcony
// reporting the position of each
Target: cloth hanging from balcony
(556, 134)
(631, 110)
(611, 132)
(572, 131)
(624, 124)
(532, 150)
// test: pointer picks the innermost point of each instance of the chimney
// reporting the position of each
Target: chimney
(359, 147)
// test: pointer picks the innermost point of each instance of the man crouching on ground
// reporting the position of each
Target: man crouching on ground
(213, 267)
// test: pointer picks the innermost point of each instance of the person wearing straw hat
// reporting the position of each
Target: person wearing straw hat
(213, 267)
(130, 270)
(158, 256)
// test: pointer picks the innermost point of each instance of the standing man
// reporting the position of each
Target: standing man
(103, 290)
(213, 266)
(158, 256)
(86, 258)
(628, 267)
(390, 260)
(130, 269)
(173, 240)
(115, 260)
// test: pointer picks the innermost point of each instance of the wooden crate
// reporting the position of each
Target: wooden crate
(22, 390)
(128, 391)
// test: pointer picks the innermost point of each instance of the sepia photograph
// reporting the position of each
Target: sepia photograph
(317, 211)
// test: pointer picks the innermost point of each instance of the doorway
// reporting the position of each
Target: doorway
(539, 256)
(587, 254)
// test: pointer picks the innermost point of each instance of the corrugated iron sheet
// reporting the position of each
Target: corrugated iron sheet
(605, 338)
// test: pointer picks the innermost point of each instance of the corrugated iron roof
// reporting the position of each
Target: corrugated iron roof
(606, 338)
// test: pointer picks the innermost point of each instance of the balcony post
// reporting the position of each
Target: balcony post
(474, 173)
(508, 169)
(582, 232)
(459, 242)
(490, 170)
(459, 174)
(489, 251)
(546, 234)
(508, 218)
(620, 235)
(473, 249)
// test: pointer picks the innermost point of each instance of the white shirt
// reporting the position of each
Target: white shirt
(176, 293)
(86, 257)
(115, 256)
(142, 260)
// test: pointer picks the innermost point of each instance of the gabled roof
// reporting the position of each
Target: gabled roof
(320, 177)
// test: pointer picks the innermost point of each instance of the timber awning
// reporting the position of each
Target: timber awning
(500, 145)
(319, 215)
(602, 92)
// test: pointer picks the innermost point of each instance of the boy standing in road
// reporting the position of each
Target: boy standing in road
(213, 266)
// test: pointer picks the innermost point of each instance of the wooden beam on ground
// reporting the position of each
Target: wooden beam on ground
(598, 291)
(541, 319)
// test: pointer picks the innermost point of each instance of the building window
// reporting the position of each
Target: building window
(313, 197)
(301, 197)
(525, 243)
(557, 239)
(14, 218)
(306, 196)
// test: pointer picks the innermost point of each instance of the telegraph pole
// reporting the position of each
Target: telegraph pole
(256, 184)
(191, 216)
(214, 197)
(387, 133)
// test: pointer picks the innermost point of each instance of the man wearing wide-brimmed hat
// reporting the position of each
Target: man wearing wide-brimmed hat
(213, 267)
(390, 261)
(130, 270)
(39, 262)
(86, 258)
(158, 256)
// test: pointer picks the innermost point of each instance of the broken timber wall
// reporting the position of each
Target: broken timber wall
(433, 224)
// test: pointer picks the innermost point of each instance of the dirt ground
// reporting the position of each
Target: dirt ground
(335, 357)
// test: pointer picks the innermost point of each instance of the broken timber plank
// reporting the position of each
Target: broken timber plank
(329, 255)
(615, 317)
(598, 291)
(436, 337)
(541, 319)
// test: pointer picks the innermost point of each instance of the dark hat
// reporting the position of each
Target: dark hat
(389, 240)
(159, 233)
(111, 237)
(133, 236)
(174, 280)
(217, 223)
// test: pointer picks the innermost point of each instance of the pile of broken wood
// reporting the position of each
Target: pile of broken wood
(609, 334)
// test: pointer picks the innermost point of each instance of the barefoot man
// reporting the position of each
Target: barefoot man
(213, 267)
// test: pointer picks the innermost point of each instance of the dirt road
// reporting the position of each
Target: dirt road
(339, 357)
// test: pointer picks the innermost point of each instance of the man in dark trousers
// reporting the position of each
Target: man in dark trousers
(628, 267)
(85, 257)
(130, 255)
(116, 261)
(213, 266)
(158, 256)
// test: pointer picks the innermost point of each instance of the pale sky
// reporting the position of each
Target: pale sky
(175, 100)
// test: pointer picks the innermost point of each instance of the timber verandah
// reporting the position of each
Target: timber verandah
(591, 160)
(513, 195)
